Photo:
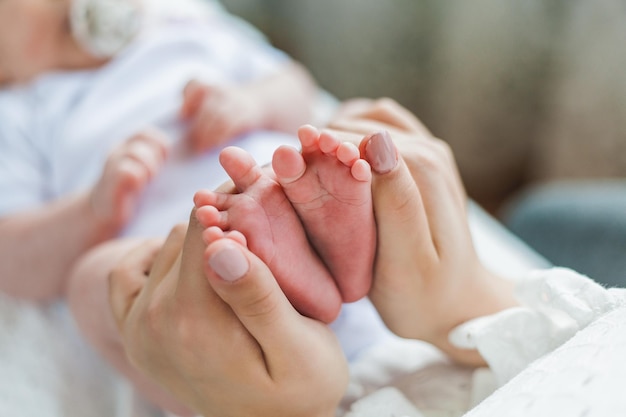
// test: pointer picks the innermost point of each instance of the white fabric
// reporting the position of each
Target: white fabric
(560, 353)
(384, 402)
(583, 377)
(105, 27)
(555, 304)
(46, 369)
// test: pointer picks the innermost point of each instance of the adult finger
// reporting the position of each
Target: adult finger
(389, 112)
(129, 277)
(406, 246)
(443, 194)
(432, 162)
(398, 203)
(168, 254)
(361, 127)
(384, 111)
(247, 285)
(191, 288)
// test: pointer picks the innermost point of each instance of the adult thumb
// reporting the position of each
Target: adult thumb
(247, 285)
(395, 194)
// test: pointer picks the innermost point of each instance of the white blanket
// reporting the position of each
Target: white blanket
(561, 352)
(47, 370)
(583, 377)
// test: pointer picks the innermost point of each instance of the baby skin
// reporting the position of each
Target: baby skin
(326, 179)
(329, 186)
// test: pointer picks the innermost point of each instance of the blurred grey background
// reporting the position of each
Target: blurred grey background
(524, 91)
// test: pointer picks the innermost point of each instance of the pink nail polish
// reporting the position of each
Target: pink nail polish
(230, 264)
(380, 152)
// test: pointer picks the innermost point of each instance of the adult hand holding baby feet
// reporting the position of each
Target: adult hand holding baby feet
(427, 277)
(272, 231)
(210, 324)
(326, 189)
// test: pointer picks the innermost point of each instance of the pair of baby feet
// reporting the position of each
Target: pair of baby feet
(311, 220)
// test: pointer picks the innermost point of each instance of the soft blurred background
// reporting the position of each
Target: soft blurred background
(526, 93)
(523, 90)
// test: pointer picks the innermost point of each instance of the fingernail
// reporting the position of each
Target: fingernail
(380, 152)
(230, 264)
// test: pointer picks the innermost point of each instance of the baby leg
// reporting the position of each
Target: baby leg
(264, 216)
(329, 186)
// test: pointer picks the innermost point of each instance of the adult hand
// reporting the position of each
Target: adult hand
(212, 326)
(427, 276)
(360, 116)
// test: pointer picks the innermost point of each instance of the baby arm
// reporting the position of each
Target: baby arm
(282, 101)
(39, 246)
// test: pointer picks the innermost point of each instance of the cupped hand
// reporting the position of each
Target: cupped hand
(212, 326)
(427, 277)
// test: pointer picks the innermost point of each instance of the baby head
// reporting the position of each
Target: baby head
(37, 36)
(34, 37)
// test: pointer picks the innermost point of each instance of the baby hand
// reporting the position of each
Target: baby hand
(219, 114)
(127, 171)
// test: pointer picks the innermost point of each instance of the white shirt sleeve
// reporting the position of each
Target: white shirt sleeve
(22, 165)
(555, 304)
(561, 352)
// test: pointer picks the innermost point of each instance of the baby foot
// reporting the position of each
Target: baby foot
(265, 219)
(329, 187)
